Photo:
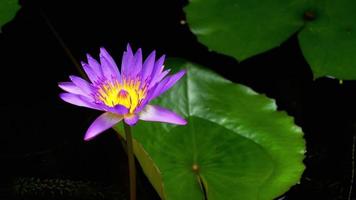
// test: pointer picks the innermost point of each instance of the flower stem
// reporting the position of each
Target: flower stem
(131, 159)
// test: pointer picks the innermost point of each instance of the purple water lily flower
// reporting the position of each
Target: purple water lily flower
(122, 95)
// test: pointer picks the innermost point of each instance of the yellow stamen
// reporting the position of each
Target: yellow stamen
(128, 94)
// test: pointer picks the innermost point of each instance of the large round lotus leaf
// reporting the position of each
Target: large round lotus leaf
(241, 146)
(8, 9)
(244, 28)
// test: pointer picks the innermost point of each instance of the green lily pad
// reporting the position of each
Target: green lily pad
(235, 145)
(244, 28)
(8, 9)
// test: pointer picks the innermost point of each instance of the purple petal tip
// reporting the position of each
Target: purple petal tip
(103, 51)
(71, 77)
(65, 96)
(87, 138)
(182, 122)
(128, 47)
(61, 84)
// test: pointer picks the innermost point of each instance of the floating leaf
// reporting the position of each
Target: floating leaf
(244, 28)
(235, 145)
(8, 9)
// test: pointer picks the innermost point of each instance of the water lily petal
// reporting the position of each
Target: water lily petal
(127, 62)
(160, 76)
(82, 84)
(137, 66)
(172, 80)
(108, 72)
(108, 65)
(94, 65)
(131, 120)
(145, 101)
(159, 114)
(148, 66)
(106, 55)
(93, 77)
(165, 84)
(155, 91)
(118, 109)
(157, 70)
(71, 88)
(79, 100)
(101, 124)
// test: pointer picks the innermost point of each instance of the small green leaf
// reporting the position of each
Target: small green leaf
(8, 9)
(329, 41)
(235, 145)
(244, 28)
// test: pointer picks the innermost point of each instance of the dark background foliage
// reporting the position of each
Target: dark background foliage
(41, 137)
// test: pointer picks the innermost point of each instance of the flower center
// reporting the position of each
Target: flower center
(128, 93)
